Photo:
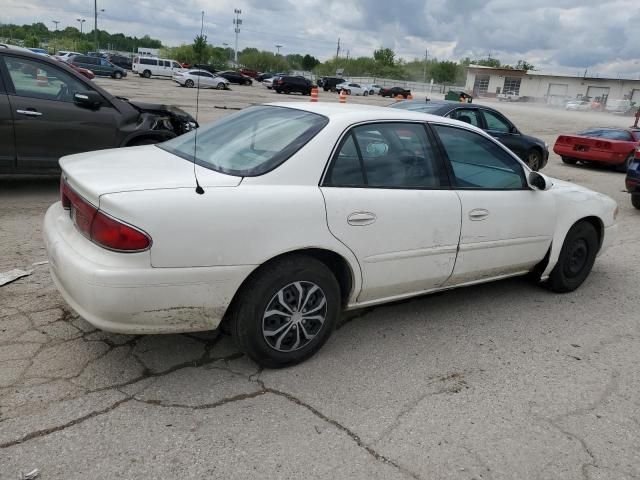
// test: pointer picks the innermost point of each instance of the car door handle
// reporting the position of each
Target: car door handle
(478, 214)
(360, 219)
(30, 113)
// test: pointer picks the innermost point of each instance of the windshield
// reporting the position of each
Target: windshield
(251, 142)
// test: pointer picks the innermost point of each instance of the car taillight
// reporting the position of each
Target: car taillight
(603, 145)
(100, 228)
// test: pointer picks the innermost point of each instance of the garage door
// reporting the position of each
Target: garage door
(635, 96)
(558, 89)
(595, 92)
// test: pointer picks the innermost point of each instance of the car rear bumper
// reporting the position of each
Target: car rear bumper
(591, 155)
(122, 293)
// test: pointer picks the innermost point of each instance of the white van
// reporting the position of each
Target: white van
(161, 67)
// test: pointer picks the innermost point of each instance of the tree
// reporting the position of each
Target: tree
(200, 47)
(384, 57)
(309, 62)
(524, 65)
(32, 42)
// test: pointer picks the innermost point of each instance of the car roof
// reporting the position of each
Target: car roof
(444, 105)
(355, 113)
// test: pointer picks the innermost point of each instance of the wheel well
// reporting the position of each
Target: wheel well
(598, 225)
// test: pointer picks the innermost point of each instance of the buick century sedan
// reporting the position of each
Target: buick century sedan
(275, 219)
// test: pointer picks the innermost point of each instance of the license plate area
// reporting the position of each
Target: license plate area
(581, 148)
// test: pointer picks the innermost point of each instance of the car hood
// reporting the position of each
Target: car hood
(161, 109)
(146, 167)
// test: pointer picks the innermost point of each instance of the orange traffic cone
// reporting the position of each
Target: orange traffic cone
(409, 97)
(343, 96)
(41, 78)
(314, 94)
(399, 97)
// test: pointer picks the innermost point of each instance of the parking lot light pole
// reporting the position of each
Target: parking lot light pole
(80, 21)
(237, 22)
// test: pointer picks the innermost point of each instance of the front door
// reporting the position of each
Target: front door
(7, 137)
(47, 123)
(507, 227)
(388, 200)
(504, 131)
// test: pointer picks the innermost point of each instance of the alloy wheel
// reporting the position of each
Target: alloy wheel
(294, 316)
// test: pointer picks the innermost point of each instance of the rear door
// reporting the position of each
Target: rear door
(388, 200)
(506, 226)
(47, 124)
(7, 137)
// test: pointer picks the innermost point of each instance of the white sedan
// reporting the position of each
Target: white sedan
(373, 88)
(201, 79)
(294, 212)
(353, 88)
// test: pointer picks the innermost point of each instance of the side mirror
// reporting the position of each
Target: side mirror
(538, 181)
(514, 130)
(88, 99)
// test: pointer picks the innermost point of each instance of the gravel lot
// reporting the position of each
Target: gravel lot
(499, 381)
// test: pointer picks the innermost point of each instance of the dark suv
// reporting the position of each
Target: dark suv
(329, 83)
(99, 66)
(121, 61)
(290, 84)
(48, 110)
(632, 181)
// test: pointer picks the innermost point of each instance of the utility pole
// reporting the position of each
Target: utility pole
(95, 18)
(426, 59)
(237, 22)
(338, 49)
(348, 55)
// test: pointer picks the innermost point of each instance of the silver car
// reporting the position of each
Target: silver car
(201, 78)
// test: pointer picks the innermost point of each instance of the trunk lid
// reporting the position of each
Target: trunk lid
(146, 167)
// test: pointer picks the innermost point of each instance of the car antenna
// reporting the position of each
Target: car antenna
(199, 189)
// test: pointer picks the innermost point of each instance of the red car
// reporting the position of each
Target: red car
(605, 145)
(83, 71)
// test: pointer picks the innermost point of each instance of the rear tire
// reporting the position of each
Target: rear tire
(189, 83)
(293, 285)
(220, 86)
(366, 94)
(117, 75)
(635, 200)
(534, 159)
(146, 74)
(569, 160)
(576, 258)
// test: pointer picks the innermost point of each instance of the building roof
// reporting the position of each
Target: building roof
(542, 73)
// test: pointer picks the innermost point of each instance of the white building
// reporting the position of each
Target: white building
(154, 52)
(546, 87)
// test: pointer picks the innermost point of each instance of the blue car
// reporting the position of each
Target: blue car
(633, 180)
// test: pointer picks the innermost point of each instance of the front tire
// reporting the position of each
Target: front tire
(117, 75)
(286, 312)
(635, 200)
(576, 258)
(534, 159)
(189, 84)
(366, 94)
(220, 86)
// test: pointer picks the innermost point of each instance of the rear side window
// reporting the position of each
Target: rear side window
(148, 61)
(466, 115)
(386, 155)
(250, 142)
(478, 163)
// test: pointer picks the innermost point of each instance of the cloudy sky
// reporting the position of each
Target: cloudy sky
(555, 35)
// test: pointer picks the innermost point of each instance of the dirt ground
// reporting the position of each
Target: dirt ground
(498, 381)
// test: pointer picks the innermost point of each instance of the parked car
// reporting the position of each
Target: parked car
(310, 208)
(206, 67)
(248, 72)
(632, 181)
(330, 83)
(121, 61)
(48, 110)
(194, 78)
(152, 66)
(373, 88)
(607, 146)
(268, 82)
(83, 71)
(353, 88)
(98, 65)
(290, 84)
(620, 107)
(577, 105)
(394, 92)
(235, 77)
(508, 96)
(40, 51)
(263, 76)
(533, 151)
(65, 55)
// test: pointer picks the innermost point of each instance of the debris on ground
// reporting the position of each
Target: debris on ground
(31, 475)
(11, 275)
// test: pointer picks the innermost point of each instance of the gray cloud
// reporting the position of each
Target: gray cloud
(552, 34)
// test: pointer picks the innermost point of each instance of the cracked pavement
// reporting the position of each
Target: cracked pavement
(498, 381)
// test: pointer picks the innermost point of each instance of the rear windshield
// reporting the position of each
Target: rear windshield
(250, 142)
(606, 133)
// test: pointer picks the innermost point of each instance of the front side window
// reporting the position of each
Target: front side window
(250, 142)
(176, 65)
(166, 63)
(496, 123)
(34, 79)
(478, 163)
(386, 155)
